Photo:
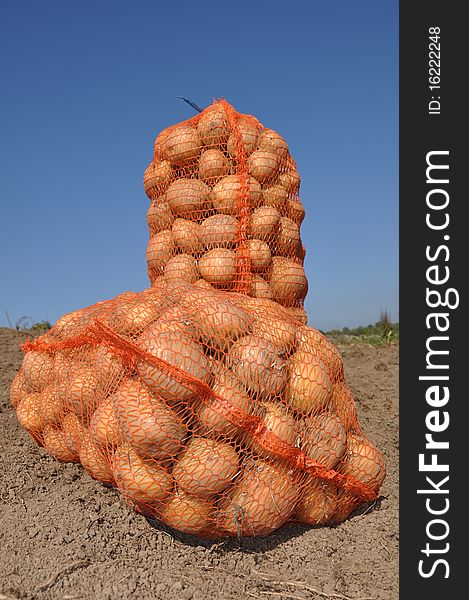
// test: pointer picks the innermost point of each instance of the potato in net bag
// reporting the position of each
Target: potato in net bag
(225, 209)
(212, 411)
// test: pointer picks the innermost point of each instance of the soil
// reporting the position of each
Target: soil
(65, 536)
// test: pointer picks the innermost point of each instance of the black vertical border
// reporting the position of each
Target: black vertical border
(419, 134)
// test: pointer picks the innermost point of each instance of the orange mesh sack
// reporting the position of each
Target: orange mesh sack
(214, 412)
(225, 210)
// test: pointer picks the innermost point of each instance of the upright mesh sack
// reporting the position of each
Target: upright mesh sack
(225, 210)
(214, 412)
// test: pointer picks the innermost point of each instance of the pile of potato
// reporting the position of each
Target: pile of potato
(223, 187)
(196, 403)
(206, 399)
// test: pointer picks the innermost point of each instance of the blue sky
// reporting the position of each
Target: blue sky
(86, 87)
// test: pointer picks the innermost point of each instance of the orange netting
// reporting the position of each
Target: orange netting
(213, 411)
(206, 399)
(225, 210)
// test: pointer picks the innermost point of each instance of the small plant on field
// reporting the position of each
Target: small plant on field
(383, 331)
(385, 322)
(40, 326)
(27, 324)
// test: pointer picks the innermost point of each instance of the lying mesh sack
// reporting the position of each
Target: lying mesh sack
(212, 411)
(225, 208)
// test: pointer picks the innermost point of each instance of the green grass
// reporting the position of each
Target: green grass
(27, 324)
(375, 335)
(40, 326)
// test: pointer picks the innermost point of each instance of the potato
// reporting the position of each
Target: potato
(187, 513)
(108, 303)
(363, 462)
(216, 415)
(147, 424)
(157, 178)
(279, 422)
(346, 504)
(66, 326)
(298, 313)
(159, 217)
(213, 165)
(182, 267)
(278, 330)
(225, 195)
(188, 198)
(18, 389)
(158, 144)
(110, 368)
(38, 369)
(262, 501)
(260, 288)
(295, 211)
(95, 461)
(206, 467)
(287, 280)
(84, 393)
(52, 403)
(309, 387)
(186, 236)
(248, 133)
(160, 249)
(263, 165)
(54, 443)
(343, 406)
(73, 432)
(104, 427)
(177, 350)
(219, 231)
(140, 480)
(159, 284)
(258, 365)
(260, 255)
(172, 319)
(132, 317)
(323, 439)
(181, 144)
(270, 140)
(201, 283)
(41, 409)
(28, 412)
(218, 267)
(288, 237)
(318, 502)
(260, 306)
(290, 180)
(213, 126)
(312, 340)
(218, 322)
(264, 222)
(275, 196)
(191, 298)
